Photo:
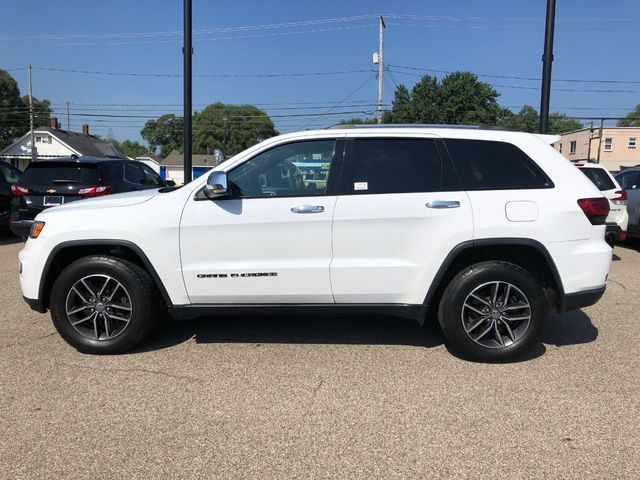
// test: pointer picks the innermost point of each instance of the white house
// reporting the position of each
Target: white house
(172, 167)
(52, 142)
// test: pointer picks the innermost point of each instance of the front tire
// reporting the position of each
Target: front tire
(492, 311)
(103, 304)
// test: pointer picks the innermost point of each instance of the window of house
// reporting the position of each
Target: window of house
(560, 147)
(573, 146)
(608, 144)
(43, 139)
(632, 142)
(488, 165)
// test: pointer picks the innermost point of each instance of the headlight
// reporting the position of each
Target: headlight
(36, 229)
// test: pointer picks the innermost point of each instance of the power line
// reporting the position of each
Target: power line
(575, 80)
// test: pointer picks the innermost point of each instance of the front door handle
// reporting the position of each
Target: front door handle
(443, 204)
(308, 209)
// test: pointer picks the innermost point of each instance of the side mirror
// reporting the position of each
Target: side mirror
(216, 185)
(170, 183)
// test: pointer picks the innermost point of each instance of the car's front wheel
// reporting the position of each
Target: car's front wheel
(492, 311)
(103, 304)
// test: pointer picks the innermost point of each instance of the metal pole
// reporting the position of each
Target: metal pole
(380, 70)
(547, 60)
(68, 118)
(34, 153)
(600, 139)
(590, 138)
(187, 52)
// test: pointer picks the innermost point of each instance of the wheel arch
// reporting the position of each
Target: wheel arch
(527, 253)
(65, 253)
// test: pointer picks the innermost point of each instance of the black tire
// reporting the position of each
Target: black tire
(141, 292)
(450, 312)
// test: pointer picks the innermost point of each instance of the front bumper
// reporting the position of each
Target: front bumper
(586, 298)
(21, 227)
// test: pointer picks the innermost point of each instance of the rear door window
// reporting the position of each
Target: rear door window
(134, 174)
(58, 173)
(9, 174)
(628, 179)
(490, 165)
(395, 165)
(599, 178)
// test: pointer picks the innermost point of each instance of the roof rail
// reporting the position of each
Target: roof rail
(419, 125)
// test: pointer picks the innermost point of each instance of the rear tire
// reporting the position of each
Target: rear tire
(492, 311)
(103, 305)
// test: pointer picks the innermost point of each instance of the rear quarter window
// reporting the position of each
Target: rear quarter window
(599, 177)
(489, 165)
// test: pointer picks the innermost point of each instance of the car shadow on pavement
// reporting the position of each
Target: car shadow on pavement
(8, 238)
(353, 330)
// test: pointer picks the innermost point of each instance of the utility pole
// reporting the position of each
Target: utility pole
(187, 52)
(34, 153)
(68, 116)
(590, 139)
(600, 139)
(380, 70)
(547, 60)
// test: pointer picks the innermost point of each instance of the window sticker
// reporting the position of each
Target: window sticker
(361, 186)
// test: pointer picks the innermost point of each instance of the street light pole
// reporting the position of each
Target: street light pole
(187, 52)
(547, 60)
(380, 69)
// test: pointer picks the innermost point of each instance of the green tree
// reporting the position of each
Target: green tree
(11, 110)
(528, 120)
(164, 135)
(462, 98)
(458, 98)
(130, 148)
(357, 121)
(231, 128)
(632, 119)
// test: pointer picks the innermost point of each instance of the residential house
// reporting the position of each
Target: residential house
(614, 147)
(52, 142)
(172, 167)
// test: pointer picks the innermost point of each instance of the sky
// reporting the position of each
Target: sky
(595, 43)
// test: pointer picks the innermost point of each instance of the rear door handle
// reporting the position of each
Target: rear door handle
(308, 209)
(443, 204)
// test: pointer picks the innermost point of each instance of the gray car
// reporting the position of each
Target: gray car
(629, 180)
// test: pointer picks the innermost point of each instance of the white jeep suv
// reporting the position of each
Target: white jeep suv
(488, 230)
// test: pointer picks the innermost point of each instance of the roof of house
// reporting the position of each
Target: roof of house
(177, 159)
(85, 145)
(149, 156)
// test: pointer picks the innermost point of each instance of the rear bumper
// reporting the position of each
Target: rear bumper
(574, 301)
(21, 227)
(615, 233)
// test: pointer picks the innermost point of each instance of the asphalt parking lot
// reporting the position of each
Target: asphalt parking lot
(319, 398)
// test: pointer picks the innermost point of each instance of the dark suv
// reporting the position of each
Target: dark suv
(8, 176)
(47, 183)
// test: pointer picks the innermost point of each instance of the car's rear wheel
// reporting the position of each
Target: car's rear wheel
(103, 305)
(492, 311)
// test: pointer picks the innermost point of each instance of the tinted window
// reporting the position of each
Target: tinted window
(628, 179)
(111, 172)
(396, 166)
(134, 174)
(486, 165)
(151, 177)
(8, 173)
(599, 177)
(46, 173)
(294, 169)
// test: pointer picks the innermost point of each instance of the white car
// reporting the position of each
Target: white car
(487, 230)
(618, 218)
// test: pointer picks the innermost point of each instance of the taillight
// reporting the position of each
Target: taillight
(19, 191)
(596, 209)
(95, 191)
(621, 199)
